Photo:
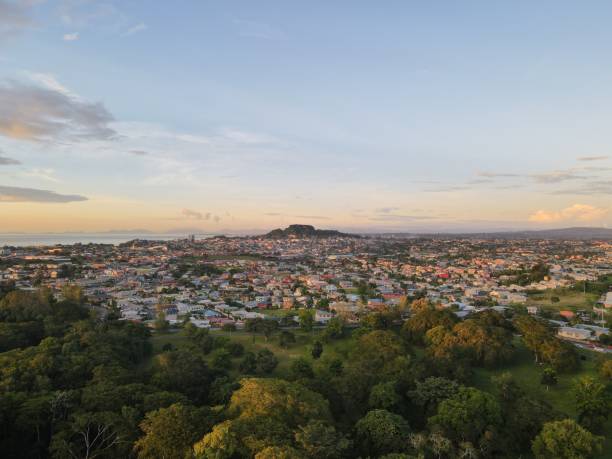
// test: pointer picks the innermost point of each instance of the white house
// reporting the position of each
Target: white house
(323, 316)
(574, 333)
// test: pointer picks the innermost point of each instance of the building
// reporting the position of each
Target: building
(323, 316)
(608, 300)
(574, 333)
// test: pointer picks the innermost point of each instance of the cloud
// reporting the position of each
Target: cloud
(4, 161)
(556, 177)
(138, 152)
(447, 189)
(192, 214)
(44, 174)
(312, 217)
(17, 194)
(254, 29)
(40, 114)
(95, 14)
(592, 158)
(14, 17)
(135, 29)
(386, 210)
(576, 212)
(495, 174)
(50, 82)
(399, 218)
(71, 36)
(589, 189)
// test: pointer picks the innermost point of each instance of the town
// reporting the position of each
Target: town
(226, 281)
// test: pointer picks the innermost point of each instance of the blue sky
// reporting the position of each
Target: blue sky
(358, 115)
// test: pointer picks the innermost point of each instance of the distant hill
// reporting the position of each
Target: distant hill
(302, 231)
(561, 233)
(578, 233)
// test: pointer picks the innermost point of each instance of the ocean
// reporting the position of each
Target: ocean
(30, 239)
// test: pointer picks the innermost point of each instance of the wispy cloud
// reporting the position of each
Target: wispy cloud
(312, 217)
(447, 189)
(135, 29)
(496, 174)
(14, 17)
(5, 161)
(195, 215)
(556, 177)
(592, 158)
(18, 194)
(386, 210)
(43, 174)
(254, 29)
(138, 152)
(188, 213)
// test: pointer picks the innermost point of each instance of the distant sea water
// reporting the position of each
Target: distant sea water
(31, 239)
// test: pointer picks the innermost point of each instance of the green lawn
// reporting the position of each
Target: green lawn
(527, 373)
(255, 342)
(568, 299)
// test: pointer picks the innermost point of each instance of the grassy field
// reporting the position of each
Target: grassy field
(255, 342)
(568, 299)
(527, 373)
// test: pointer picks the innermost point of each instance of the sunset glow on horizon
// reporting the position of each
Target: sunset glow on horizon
(246, 116)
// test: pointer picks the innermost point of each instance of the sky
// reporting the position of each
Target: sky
(243, 116)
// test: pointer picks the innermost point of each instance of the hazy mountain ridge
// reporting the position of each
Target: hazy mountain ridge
(578, 233)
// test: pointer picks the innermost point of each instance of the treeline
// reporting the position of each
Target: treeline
(91, 389)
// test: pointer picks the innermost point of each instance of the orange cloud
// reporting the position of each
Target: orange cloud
(576, 212)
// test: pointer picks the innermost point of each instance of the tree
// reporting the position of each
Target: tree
(286, 338)
(320, 440)
(248, 363)
(317, 349)
(265, 326)
(376, 357)
(415, 328)
(334, 329)
(384, 396)
(73, 293)
(565, 440)
(170, 432)
(549, 377)
(592, 402)
(468, 403)
(183, 371)
(278, 452)
(547, 348)
(229, 327)
(306, 319)
(606, 370)
(161, 324)
(266, 361)
(301, 368)
(380, 432)
(263, 412)
(221, 359)
(222, 443)
(431, 391)
(89, 436)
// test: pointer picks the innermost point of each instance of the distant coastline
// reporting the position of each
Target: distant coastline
(42, 239)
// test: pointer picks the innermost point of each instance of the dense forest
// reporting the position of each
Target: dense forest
(78, 384)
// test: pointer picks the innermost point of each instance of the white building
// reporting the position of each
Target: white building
(574, 333)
